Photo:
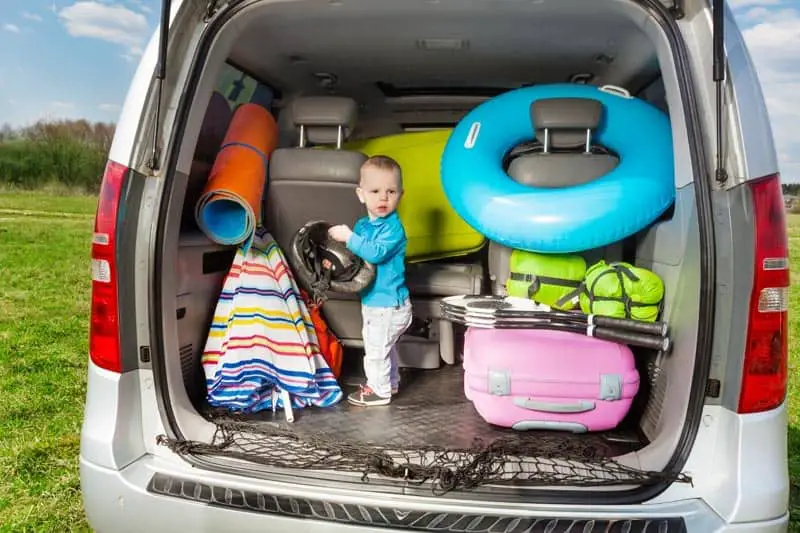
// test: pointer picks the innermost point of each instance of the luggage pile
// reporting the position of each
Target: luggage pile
(556, 351)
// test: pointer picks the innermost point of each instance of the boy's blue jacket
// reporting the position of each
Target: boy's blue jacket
(382, 242)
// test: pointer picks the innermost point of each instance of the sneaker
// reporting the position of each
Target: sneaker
(365, 396)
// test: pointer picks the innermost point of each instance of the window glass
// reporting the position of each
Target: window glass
(239, 88)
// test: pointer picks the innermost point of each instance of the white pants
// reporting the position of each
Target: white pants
(383, 326)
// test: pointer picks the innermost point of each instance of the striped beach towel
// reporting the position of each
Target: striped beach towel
(262, 351)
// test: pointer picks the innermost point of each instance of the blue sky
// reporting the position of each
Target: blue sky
(68, 58)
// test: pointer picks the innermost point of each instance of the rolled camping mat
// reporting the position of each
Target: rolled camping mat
(229, 207)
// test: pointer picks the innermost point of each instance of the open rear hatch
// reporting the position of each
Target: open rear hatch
(431, 436)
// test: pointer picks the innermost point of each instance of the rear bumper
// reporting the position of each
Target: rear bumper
(131, 484)
(779, 525)
(153, 495)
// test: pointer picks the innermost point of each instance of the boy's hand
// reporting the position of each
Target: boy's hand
(340, 233)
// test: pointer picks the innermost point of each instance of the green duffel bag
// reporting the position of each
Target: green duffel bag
(622, 290)
(554, 280)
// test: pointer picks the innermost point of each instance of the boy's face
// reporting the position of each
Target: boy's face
(379, 190)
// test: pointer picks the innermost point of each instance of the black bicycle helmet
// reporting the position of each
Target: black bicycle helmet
(311, 245)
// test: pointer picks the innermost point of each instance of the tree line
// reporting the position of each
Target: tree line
(65, 153)
(791, 189)
(73, 153)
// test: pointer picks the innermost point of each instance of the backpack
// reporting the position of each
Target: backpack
(622, 290)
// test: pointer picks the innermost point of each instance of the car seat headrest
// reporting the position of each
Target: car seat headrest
(565, 122)
(324, 119)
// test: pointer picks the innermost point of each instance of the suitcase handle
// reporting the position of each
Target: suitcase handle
(578, 406)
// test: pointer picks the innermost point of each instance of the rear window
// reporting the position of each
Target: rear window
(240, 88)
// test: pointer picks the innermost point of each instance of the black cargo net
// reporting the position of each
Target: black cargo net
(550, 459)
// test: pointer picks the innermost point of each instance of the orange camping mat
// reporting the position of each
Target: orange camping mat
(229, 208)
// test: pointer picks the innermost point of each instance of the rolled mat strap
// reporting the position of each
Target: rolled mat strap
(229, 209)
(263, 156)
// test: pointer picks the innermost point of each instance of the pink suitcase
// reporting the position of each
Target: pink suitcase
(546, 379)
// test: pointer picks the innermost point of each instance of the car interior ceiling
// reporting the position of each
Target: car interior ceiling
(429, 67)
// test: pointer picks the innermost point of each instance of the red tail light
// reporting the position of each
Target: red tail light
(104, 330)
(765, 358)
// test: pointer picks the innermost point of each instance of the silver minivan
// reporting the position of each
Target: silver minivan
(704, 447)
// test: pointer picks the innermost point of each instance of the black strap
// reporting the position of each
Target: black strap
(567, 297)
(320, 286)
(536, 283)
(535, 278)
(321, 277)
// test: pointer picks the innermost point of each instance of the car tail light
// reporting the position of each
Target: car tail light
(765, 357)
(104, 348)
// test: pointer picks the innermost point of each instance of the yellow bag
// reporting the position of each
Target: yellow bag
(552, 279)
(433, 228)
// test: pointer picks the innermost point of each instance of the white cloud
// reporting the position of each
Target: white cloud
(736, 4)
(11, 27)
(109, 108)
(755, 14)
(114, 23)
(133, 54)
(773, 43)
(141, 5)
(32, 16)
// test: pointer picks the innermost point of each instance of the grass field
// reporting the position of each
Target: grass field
(44, 309)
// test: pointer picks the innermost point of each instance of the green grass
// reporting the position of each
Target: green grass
(794, 378)
(44, 310)
(43, 203)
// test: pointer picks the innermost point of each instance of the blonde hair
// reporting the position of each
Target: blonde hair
(384, 162)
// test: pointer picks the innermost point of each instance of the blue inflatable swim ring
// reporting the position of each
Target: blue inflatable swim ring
(559, 220)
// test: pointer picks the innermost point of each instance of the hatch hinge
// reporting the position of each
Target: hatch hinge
(161, 74)
(719, 80)
(676, 9)
(213, 7)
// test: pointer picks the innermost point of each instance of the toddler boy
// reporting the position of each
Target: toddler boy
(380, 239)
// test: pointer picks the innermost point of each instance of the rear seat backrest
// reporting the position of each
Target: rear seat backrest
(563, 157)
(307, 183)
(311, 183)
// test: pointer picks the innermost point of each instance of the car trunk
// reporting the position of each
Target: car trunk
(418, 66)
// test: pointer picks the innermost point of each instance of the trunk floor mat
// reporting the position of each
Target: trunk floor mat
(432, 411)
(429, 434)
